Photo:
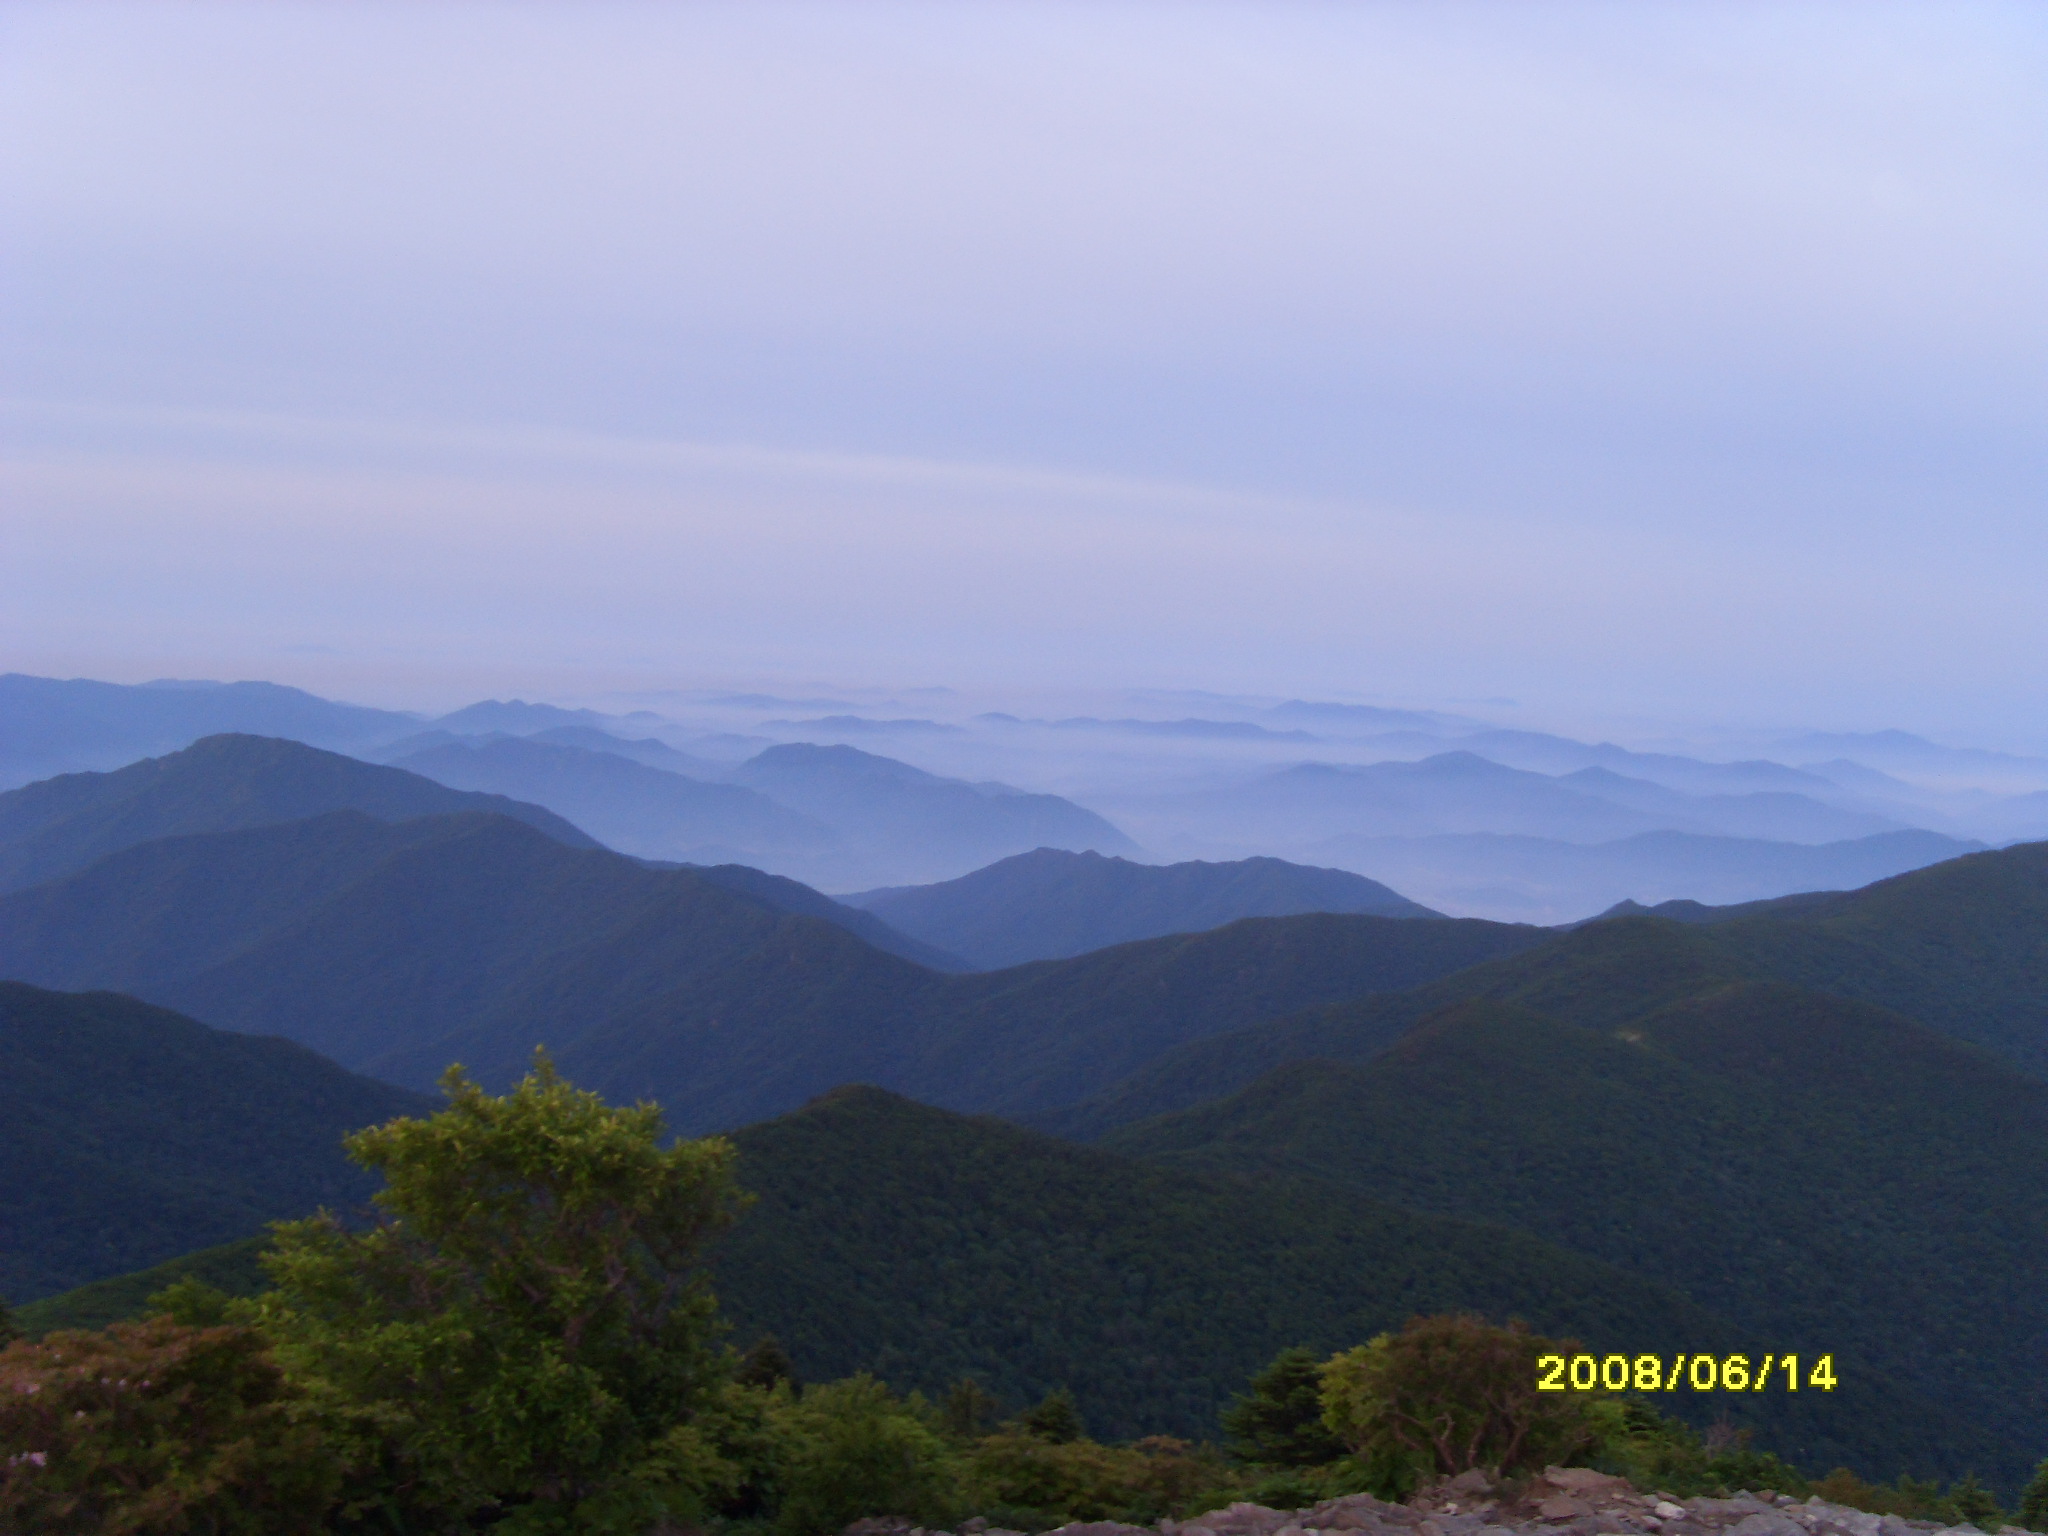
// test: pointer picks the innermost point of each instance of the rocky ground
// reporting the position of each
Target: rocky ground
(1564, 1501)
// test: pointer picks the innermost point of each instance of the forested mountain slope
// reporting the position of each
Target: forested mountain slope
(1833, 1175)
(221, 784)
(1961, 946)
(129, 1135)
(395, 948)
(925, 1246)
(1049, 903)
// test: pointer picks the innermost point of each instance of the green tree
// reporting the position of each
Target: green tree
(970, 1409)
(1974, 1503)
(527, 1323)
(854, 1449)
(1455, 1392)
(10, 1330)
(765, 1364)
(2033, 1510)
(1055, 1418)
(1279, 1421)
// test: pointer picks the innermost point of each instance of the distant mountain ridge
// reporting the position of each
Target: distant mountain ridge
(55, 725)
(892, 816)
(1462, 792)
(629, 805)
(829, 815)
(1051, 904)
(397, 947)
(219, 784)
(1546, 881)
(1960, 947)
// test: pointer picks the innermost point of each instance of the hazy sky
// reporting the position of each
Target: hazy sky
(1636, 359)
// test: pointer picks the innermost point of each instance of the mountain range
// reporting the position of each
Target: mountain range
(831, 815)
(1049, 904)
(50, 725)
(1454, 812)
(223, 783)
(397, 946)
(1961, 947)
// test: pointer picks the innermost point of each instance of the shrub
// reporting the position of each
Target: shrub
(155, 1427)
(850, 1449)
(1023, 1480)
(1450, 1393)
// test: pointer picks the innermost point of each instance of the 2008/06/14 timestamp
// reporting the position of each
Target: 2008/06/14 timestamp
(1697, 1373)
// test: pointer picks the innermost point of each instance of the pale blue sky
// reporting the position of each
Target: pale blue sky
(1680, 361)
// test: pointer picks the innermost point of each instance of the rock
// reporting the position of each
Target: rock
(1561, 1506)
(1103, 1528)
(1584, 1481)
(1766, 1523)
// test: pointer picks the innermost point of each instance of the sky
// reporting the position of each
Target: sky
(1633, 362)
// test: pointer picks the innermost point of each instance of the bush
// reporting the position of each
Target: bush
(1450, 1393)
(850, 1449)
(1018, 1479)
(155, 1427)
(1964, 1500)
(1653, 1450)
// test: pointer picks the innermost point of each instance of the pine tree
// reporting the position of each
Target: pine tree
(1279, 1422)
(2033, 1511)
(1056, 1419)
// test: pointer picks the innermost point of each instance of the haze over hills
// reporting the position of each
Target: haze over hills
(50, 726)
(1543, 880)
(129, 1134)
(222, 783)
(628, 805)
(913, 825)
(832, 815)
(396, 947)
(1780, 1156)
(1049, 904)
(1454, 811)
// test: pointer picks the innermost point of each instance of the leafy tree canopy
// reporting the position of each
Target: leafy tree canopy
(528, 1319)
(1454, 1392)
